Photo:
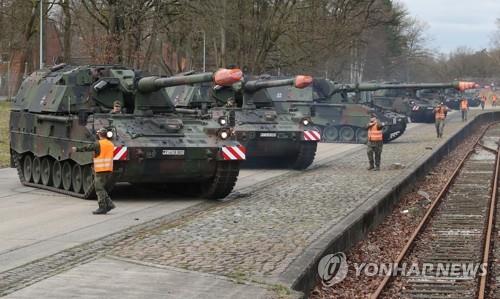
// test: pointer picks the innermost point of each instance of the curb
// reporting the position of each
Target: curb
(302, 275)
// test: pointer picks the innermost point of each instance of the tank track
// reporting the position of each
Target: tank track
(223, 181)
(305, 156)
(17, 163)
(355, 141)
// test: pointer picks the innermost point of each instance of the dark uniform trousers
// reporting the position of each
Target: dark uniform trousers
(439, 127)
(374, 152)
(100, 181)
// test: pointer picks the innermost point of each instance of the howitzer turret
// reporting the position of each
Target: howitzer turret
(154, 144)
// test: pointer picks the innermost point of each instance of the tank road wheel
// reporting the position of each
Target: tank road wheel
(66, 175)
(76, 178)
(87, 181)
(27, 167)
(223, 181)
(305, 156)
(45, 171)
(347, 134)
(361, 135)
(330, 134)
(57, 174)
(36, 169)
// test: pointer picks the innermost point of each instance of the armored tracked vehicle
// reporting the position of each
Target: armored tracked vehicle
(403, 98)
(271, 136)
(155, 144)
(342, 118)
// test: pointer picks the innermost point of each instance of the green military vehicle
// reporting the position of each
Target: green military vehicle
(64, 106)
(272, 137)
(416, 100)
(337, 114)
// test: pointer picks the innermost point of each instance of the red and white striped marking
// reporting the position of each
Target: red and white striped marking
(312, 135)
(120, 153)
(234, 152)
(415, 108)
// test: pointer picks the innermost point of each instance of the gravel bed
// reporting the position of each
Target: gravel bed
(384, 243)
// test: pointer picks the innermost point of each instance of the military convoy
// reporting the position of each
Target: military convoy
(190, 130)
(278, 137)
(417, 100)
(155, 144)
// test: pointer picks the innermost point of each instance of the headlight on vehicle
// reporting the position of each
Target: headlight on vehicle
(305, 122)
(222, 121)
(223, 134)
(109, 134)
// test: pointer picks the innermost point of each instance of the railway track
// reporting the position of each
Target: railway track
(449, 252)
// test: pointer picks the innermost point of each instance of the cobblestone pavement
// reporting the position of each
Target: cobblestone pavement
(257, 235)
(260, 235)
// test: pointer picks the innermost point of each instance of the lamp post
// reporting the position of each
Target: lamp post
(204, 50)
(41, 34)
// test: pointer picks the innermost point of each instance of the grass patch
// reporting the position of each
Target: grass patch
(4, 134)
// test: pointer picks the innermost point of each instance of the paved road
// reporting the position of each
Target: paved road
(36, 223)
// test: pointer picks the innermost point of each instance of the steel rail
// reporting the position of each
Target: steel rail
(489, 230)
(427, 216)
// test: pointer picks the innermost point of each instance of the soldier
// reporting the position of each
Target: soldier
(375, 143)
(464, 107)
(483, 101)
(117, 107)
(103, 167)
(493, 100)
(440, 114)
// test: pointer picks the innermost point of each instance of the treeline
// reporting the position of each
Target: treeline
(346, 40)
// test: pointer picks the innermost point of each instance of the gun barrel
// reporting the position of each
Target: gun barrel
(255, 85)
(298, 81)
(336, 88)
(221, 77)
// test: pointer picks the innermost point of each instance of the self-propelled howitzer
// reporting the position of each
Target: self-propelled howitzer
(62, 107)
(269, 135)
(410, 99)
(333, 113)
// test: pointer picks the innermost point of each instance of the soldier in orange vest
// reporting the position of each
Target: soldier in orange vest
(464, 107)
(375, 143)
(493, 100)
(103, 168)
(440, 115)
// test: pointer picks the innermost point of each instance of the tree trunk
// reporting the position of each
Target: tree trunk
(67, 31)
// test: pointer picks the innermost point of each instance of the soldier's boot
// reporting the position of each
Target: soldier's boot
(377, 168)
(101, 210)
(370, 167)
(110, 205)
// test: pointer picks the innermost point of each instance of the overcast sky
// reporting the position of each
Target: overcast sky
(455, 23)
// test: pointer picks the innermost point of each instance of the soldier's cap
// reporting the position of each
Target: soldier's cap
(102, 131)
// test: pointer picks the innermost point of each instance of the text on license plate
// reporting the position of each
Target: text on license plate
(172, 152)
(267, 134)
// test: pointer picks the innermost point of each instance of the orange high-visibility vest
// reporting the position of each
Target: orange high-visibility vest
(374, 134)
(440, 113)
(494, 98)
(464, 105)
(104, 162)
